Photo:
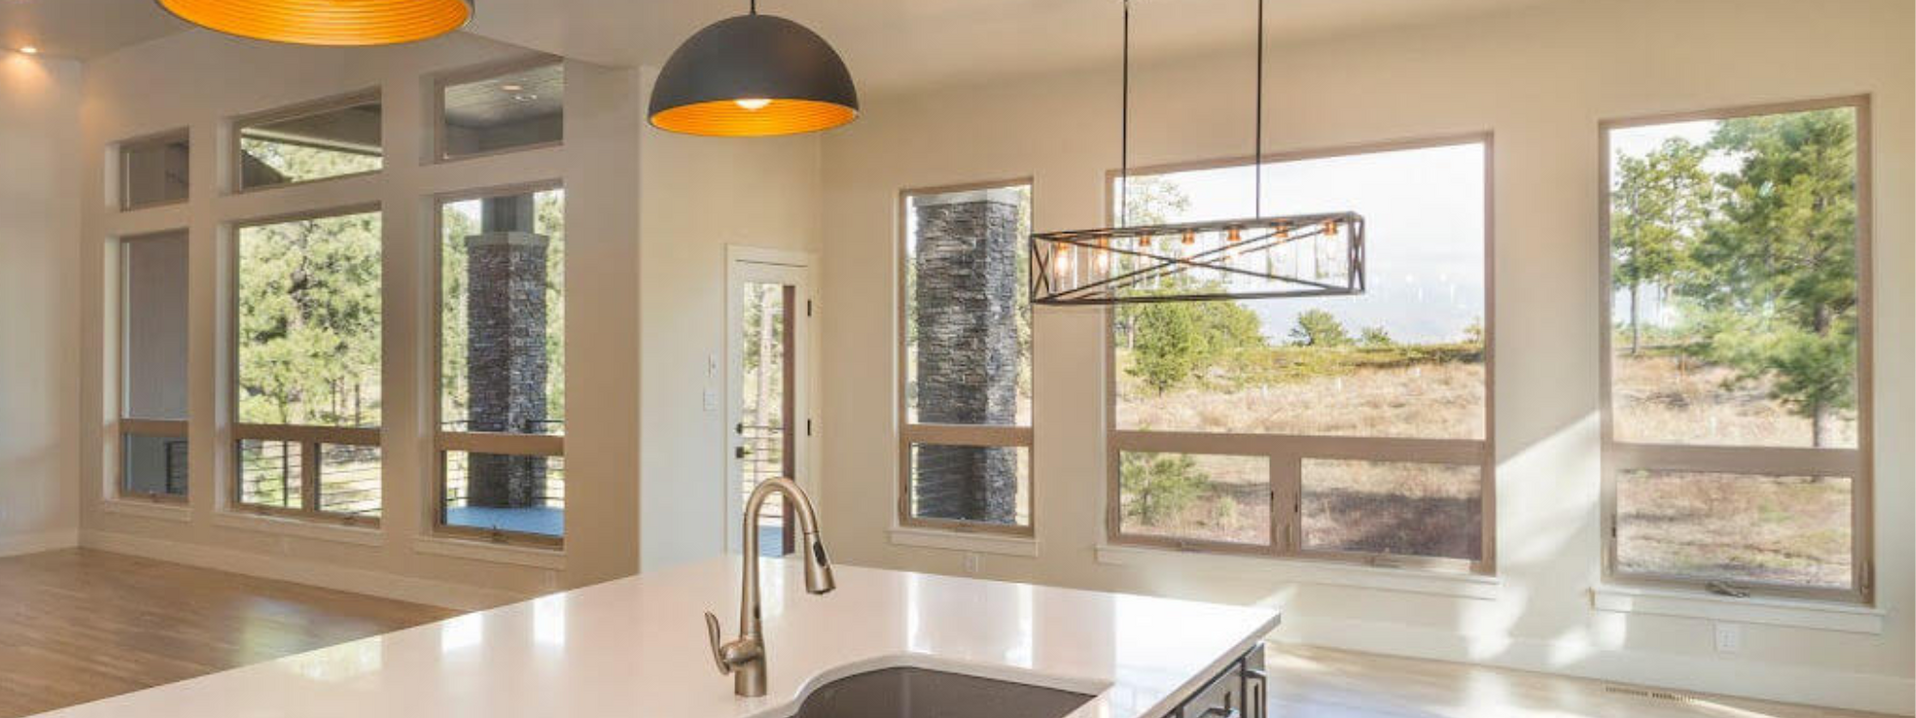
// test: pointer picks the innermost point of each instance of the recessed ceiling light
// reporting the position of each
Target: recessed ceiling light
(524, 98)
(29, 50)
(511, 87)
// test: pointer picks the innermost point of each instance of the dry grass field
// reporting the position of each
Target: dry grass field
(1790, 530)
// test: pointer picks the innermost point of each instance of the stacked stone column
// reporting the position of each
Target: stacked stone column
(506, 362)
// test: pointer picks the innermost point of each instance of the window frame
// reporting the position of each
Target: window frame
(236, 126)
(124, 148)
(1856, 464)
(473, 442)
(124, 426)
(1287, 452)
(474, 74)
(310, 439)
(981, 436)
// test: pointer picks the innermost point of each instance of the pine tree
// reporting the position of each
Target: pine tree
(1659, 207)
(1776, 273)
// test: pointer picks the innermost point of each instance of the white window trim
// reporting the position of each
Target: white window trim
(175, 511)
(1795, 613)
(968, 541)
(547, 558)
(300, 527)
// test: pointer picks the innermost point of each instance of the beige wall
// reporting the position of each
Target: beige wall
(39, 215)
(702, 195)
(1541, 80)
(195, 80)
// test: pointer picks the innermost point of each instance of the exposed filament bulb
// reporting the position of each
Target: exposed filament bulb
(1190, 237)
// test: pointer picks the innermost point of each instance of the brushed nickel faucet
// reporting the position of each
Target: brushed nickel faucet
(744, 657)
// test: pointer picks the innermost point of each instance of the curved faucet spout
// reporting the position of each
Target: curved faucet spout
(744, 657)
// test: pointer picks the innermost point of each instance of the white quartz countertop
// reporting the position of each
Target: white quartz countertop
(637, 647)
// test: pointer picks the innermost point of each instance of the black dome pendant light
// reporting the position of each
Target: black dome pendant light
(753, 76)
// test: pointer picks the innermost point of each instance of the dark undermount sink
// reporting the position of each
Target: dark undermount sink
(922, 693)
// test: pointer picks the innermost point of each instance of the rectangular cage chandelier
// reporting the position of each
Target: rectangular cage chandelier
(1309, 255)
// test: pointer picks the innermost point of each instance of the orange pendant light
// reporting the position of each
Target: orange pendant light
(342, 23)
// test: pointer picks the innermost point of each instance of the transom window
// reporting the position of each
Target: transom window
(500, 435)
(1736, 384)
(1349, 427)
(154, 171)
(500, 109)
(965, 357)
(307, 367)
(331, 138)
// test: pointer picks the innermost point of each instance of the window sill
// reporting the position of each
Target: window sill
(164, 511)
(301, 528)
(1818, 615)
(964, 541)
(1323, 573)
(549, 559)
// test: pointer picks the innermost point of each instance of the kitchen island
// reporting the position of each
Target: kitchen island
(638, 647)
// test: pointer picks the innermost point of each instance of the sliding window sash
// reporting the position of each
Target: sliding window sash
(310, 441)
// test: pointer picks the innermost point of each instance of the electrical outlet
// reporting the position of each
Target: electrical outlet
(971, 563)
(711, 400)
(1729, 638)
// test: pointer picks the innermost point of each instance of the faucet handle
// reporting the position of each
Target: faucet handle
(718, 654)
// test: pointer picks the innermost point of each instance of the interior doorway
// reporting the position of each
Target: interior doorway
(769, 308)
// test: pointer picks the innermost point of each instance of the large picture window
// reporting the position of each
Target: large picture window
(152, 364)
(965, 358)
(307, 367)
(1351, 427)
(1736, 336)
(501, 358)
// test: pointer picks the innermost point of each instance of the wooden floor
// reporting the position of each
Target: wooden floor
(1322, 683)
(77, 625)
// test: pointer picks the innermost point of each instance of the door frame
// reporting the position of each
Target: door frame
(743, 264)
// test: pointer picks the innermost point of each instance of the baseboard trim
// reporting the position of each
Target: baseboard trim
(36, 543)
(1729, 677)
(372, 583)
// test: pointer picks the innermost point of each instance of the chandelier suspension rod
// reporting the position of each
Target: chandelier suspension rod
(1257, 151)
(1124, 125)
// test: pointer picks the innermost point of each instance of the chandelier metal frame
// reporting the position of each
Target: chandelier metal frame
(1063, 276)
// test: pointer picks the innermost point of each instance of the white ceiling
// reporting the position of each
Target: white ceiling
(891, 43)
(82, 29)
(887, 43)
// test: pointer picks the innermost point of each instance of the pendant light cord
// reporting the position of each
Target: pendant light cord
(754, 4)
(1124, 123)
(1124, 126)
(1257, 152)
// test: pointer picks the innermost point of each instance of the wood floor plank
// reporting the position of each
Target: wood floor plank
(78, 625)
